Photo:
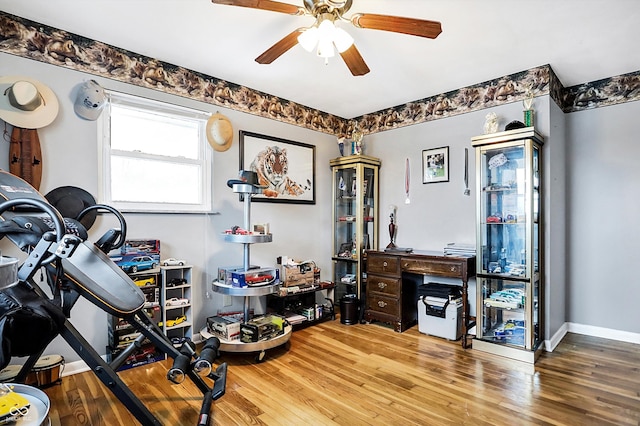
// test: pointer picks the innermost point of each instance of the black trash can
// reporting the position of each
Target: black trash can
(349, 305)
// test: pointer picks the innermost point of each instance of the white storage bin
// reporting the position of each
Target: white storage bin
(440, 317)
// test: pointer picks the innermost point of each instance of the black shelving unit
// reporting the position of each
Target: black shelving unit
(303, 302)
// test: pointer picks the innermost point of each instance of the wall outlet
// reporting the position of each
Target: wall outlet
(226, 301)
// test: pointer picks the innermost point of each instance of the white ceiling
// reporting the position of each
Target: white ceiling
(582, 40)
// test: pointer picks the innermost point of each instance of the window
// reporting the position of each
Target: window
(154, 156)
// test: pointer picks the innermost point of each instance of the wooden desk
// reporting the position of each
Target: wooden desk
(392, 298)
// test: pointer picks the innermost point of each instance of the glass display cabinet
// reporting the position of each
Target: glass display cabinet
(509, 231)
(355, 220)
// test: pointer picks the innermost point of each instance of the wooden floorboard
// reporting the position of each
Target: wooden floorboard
(367, 374)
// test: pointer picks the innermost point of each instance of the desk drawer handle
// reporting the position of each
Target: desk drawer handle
(453, 269)
(382, 285)
(385, 264)
(382, 303)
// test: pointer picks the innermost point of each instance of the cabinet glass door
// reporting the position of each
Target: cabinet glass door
(508, 237)
(355, 225)
(345, 230)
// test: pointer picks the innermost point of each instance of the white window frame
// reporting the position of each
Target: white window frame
(204, 159)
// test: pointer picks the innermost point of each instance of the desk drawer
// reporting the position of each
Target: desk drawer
(388, 265)
(442, 269)
(383, 304)
(387, 285)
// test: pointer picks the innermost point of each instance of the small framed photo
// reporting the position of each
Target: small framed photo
(435, 165)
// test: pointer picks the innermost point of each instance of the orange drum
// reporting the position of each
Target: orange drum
(47, 371)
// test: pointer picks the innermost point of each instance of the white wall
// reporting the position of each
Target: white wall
(70, 157)
(555, 205)
(603, 232)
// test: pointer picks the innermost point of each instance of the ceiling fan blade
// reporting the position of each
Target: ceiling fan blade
(411, 26)
(274, 6)
(275, 51)
(354, 61)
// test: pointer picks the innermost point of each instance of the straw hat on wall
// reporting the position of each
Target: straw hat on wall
(219, 132)
(27, 103)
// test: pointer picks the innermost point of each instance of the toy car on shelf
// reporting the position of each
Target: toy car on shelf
(507, 295)
(173, 262)
(501, 302)
(147, 354)
(176, 281)
(138, 263)
(129, 337)
(258, 279)
(236, 230)
(516, 292)
(176, 321)
(494, 218)
(143, 282)
(174, 301)
(178, 341)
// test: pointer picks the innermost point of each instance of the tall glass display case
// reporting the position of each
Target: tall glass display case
(355, 220)
(510, 290)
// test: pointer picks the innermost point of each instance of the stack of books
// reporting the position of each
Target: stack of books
(457, 249)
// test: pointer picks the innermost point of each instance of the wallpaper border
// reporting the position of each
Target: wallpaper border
(32, 40)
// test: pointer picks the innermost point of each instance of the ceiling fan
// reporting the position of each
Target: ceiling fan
(324, 36)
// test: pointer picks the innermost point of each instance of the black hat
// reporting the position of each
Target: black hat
(245, 177)
(515, 124)
(70, 201)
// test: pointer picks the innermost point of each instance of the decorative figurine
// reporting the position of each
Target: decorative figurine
(357, 140)
(341, 145)
(491, 123)
(392, 227)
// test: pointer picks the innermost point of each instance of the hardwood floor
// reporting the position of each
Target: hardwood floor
(367, 374)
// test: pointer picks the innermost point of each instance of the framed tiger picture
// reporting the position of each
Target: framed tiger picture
(286, 169)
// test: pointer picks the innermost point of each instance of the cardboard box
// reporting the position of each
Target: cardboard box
(305, 273)
(255, 277)
(224, 272)
(225, 328)
(261, 328)
(151, 296)
(141, 247)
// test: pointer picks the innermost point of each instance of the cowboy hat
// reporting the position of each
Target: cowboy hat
(219, 132)
(26, 103)
(90, 100)
(245, 177)
(70, 201)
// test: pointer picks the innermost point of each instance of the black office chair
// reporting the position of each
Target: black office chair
(30, 320)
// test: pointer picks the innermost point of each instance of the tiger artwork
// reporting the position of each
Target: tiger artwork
(271, 165)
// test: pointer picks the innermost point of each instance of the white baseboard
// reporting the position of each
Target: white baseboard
(605, 333)
(550, 344)
(590, 330)
(76, 367)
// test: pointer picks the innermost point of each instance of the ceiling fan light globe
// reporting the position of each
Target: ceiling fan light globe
(342, 40)
(308, 39)
(326, 29)
(325, 48)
